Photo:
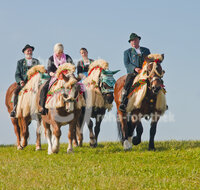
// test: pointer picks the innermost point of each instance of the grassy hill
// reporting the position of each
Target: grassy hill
(174, 165)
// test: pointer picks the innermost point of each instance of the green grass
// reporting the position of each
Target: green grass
(174, 165)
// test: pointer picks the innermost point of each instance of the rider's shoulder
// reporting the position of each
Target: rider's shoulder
(144, 49)
(128, 50)
(21, 61)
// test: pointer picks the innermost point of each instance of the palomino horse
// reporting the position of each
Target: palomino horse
(99, 97)
(147, 99)
(24, 118)
(64, 102)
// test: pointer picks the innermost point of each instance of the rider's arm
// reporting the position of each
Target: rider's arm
(129, 67)
(69, 59)
(18, 75)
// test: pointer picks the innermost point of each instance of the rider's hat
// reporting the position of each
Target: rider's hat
(133, 36)
(26, 47)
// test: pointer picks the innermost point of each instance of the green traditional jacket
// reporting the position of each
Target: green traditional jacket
(22, 68)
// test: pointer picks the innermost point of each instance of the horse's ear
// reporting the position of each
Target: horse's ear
(162, 56)
(66, 78)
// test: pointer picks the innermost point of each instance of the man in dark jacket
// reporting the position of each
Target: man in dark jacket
(133, 60)
(23, 65)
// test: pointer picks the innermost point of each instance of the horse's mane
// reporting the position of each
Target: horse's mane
(27, 96)
(91, 82)
(70, 68)
(94, 71)
(98, 63)
(35, 69)
(55, 96)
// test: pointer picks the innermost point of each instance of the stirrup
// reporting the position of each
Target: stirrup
(43, 111)
(13, 113)
(122, 108)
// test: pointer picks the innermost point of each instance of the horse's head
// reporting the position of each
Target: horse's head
(106, 85)
(155, 71)
(71, 91)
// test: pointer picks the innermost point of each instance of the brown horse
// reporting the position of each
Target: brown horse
(63, 108)
(147, 100)
(21, 122)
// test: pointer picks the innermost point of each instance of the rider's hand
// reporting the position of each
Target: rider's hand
(22, 83)
(137, 70)
(51, 74)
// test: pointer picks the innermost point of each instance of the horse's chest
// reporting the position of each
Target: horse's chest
(148, 105)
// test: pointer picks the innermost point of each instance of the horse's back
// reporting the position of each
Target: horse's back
(9, 95)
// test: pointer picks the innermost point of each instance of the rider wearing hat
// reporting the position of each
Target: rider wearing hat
(133, 60)
(23, 65)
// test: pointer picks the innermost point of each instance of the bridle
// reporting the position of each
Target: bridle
(153, 71)
(104, 90)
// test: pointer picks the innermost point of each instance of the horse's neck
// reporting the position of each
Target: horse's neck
(34, 82)
(141, 76)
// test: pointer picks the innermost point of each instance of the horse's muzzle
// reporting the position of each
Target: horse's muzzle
(155, 89)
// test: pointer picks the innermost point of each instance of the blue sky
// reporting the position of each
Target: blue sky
(103, 27)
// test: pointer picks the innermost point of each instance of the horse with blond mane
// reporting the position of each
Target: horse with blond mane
(146, 99)
(26, 106)
(99, 87)
(64, 102)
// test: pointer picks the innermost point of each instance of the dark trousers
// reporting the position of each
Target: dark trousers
(16, 93)
(43, 93)
(129, 81)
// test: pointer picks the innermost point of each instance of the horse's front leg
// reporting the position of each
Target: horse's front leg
(79, 131)
(139, 130)
(79, 134)
(154, 122)
(93, 142)
(48, 135)
(17, 132)
(25, 131)
(126, 133)
(56, 137)
(38, 134)
(71, 137)
(98, 119)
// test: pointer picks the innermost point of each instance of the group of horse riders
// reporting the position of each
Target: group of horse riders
(133, 60)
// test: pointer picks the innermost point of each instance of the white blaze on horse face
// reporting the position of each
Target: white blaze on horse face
(69, 106)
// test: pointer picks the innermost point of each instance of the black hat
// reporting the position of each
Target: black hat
(26, 47)
(133, 36)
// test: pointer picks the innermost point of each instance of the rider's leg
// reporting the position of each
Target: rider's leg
(125, 91)
(43, 95)
(13, 112)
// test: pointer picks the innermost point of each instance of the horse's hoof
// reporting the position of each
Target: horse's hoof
(152, 149)
(127, 145)
(136, 140)
(76, 145)
(69, 151)
(38, 148)
(55, 150)
(50, 152)
(19, 147)
(93, 145)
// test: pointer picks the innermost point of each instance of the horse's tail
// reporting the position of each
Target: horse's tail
(119, 128)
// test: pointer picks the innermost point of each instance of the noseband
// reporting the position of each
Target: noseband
(154, 71)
